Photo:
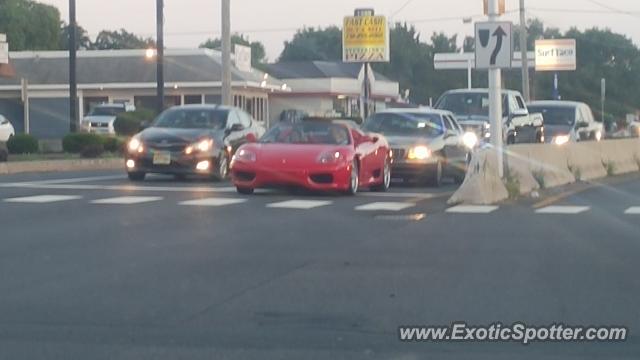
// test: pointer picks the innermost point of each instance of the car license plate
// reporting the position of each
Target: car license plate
(162, 158)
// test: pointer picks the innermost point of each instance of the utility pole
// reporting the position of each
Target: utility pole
(226, 52)
(495, 98)
(73, 81)
(523, 50)
(160, 54)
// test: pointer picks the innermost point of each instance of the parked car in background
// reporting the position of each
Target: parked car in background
(634, 129)
(568, 121)
(471, 107)
(101, 118)
(191, 140)
(318, 154)
(6, 129)
(427, 144)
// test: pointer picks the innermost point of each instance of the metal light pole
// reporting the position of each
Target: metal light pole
(495, 98)
(73, 82)
(160, 54)
(226, 52)
(523, 50)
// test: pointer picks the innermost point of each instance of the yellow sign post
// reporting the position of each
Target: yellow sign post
(501, 7)
(365, 39)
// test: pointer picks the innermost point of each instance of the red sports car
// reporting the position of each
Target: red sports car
(317, 154)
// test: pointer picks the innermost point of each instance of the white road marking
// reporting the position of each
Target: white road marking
(633, 210)
(563, 210)
(43, 199)
(385, 206)
(472, 209)
(77, 180)
(405, 195)
(127, 200)
(121, 188)
(299, 204)
(213, 202)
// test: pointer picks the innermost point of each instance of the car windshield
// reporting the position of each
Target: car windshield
(107, 111)
(406, 124)
(308, 132)
(468, 104)
(214, 119)
(555, 115)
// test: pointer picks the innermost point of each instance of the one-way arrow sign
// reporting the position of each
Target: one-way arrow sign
(494, 48)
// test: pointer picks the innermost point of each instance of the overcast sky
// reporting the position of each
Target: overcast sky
(190, 22)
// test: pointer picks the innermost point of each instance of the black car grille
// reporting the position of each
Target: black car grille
(99, 125)
(167, 147)
(399, 153)
(322, 178)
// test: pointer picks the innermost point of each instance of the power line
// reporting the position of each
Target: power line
(401, 8)
(611, 8)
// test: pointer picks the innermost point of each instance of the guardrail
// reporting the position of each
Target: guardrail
(531, 167)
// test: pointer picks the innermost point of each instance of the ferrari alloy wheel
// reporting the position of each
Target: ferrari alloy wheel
(223, 168)
(386, 179)
(354, 181)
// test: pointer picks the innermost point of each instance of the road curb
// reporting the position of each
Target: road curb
(60, 165)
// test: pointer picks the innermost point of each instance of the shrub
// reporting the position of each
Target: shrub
(76, 143)
(512, 183)
(113, 144)
(539, 176)
(23, 144)
(129, 123)
(92, 151)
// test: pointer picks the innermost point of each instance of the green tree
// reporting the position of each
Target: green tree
(311, 44)
(83, 40)
(121, 39)
(30, 25)
(258, 53)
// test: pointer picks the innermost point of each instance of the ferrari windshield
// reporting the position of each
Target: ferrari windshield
(309, 132)
(406, 124)
(555, 115)
(214, 119)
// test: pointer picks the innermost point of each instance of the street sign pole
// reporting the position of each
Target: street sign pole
(160, 55)
(226, 52)
(603, 97)
(73, 83)
(526, 92)
(495, 98)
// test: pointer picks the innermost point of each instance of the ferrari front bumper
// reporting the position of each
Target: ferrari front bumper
(253, 176)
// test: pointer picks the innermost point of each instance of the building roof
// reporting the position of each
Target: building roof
(317, 70)
(126, 67)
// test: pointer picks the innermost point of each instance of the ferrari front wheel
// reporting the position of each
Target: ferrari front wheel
(386, 179)
(354, 181)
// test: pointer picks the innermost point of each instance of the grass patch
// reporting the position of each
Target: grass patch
(59, 156)
(577, 172)
(611, 168)
(512, 183)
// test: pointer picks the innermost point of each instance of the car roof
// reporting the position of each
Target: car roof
(421, 110)
(557, 103)
(479, 91)
(204, 107)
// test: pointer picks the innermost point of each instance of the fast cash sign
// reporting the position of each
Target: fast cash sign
(365, 39)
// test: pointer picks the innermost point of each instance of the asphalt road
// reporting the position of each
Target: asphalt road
(95, 267)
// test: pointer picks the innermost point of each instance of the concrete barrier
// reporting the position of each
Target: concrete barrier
(547, 163)
(584, 160)
(61, 165)
(482, 185)
(518, 169)
(619, 156)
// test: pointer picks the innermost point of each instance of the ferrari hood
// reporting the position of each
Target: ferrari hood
(292, 155)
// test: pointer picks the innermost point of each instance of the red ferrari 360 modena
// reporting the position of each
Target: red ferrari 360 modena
(317, 154)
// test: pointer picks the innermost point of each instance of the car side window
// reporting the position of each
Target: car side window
(579, 116)
(245, 119)
(455, 123)
(520, 103)
(448, 124)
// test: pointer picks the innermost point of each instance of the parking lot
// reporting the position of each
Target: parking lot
(191, 269)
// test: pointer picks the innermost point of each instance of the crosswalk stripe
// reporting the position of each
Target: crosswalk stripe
(633, 210)
(127, 200)
(214, 202)
(563, 210)
(43, 199)
(385, 206)
(299, 204)
(472, 209)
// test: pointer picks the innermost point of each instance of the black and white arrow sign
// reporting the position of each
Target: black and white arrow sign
(494, 45)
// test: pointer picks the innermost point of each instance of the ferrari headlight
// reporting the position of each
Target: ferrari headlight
(470, 140)
(244, 155)
(419, 153)
(561, 140)
(201, 146)
(330, 157)
(135, 145)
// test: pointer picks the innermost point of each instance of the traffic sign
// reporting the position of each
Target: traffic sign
(494, 45)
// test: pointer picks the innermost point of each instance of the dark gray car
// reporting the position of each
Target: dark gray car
(427, 144)
(191, 139)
